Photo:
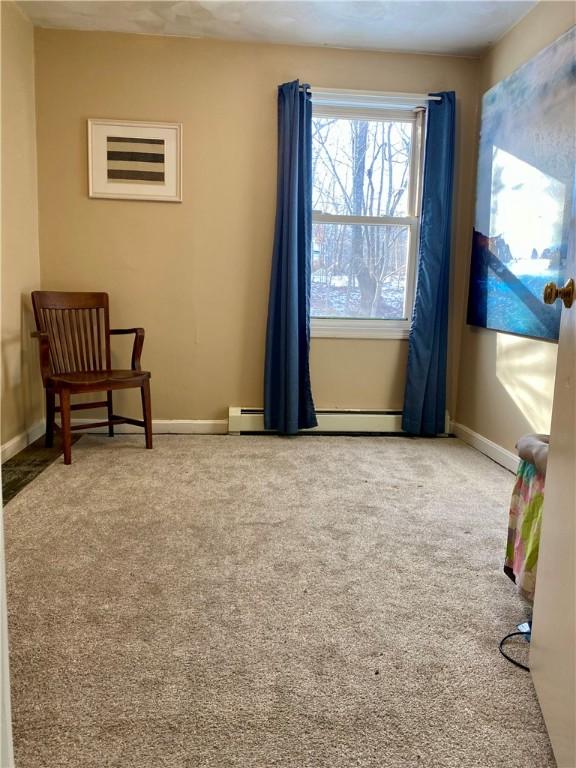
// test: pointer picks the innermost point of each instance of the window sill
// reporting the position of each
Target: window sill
(328, 328)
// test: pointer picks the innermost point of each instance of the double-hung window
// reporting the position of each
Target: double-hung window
(366, 168)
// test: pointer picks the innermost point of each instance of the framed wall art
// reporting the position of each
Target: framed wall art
(134, 160)
(525, 194)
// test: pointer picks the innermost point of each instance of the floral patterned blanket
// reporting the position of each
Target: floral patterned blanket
(524, 528)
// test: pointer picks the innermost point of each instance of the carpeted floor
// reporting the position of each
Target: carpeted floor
(257, 602)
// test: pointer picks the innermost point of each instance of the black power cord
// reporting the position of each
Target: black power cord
(509, 658)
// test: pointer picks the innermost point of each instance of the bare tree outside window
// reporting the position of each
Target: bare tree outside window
(361, 172)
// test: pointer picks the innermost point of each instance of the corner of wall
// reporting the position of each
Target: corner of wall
(21, 406)
(496, 401)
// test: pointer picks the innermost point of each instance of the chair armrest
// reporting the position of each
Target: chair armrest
(138, 343)
(44, 349)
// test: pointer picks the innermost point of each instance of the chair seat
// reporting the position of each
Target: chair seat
(91, 380)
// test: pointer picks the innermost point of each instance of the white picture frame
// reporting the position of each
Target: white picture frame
(133, 160)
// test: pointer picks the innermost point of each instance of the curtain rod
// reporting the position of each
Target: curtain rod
(375, 95)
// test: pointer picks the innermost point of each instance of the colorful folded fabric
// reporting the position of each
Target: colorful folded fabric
(524, 528)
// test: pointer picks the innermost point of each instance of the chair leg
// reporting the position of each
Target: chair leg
(66, 432)
(50, 413)
(110, 413)
(147, 412)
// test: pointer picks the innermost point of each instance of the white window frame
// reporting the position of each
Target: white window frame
(373, 105)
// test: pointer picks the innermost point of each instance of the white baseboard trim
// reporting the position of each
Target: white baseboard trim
(166, 427)
(494, 451)
(19, 442)
(500, 455)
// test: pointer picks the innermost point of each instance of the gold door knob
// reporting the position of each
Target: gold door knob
(552, 292)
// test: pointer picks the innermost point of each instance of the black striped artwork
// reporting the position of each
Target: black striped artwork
(135, 160)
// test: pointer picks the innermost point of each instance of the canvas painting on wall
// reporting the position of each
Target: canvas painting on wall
(525, 194)
(134, 160)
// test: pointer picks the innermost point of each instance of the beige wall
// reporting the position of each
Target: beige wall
(21, 390)
(196, 274)
(506, 383)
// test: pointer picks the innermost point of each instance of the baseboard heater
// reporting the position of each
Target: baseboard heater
(352, 421)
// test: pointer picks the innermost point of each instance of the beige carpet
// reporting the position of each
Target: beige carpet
(252, 602)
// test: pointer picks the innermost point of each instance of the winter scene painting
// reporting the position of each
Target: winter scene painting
(525, 194)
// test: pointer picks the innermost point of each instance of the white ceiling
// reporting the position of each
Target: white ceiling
(464, 27)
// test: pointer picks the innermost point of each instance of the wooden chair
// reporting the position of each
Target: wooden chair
(74, 332)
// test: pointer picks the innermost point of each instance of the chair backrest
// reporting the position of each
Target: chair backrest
(78, 327)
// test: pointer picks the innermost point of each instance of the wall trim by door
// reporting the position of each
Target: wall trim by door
(6, 749)
(500, 455)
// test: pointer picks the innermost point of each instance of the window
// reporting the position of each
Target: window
(366, 160)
